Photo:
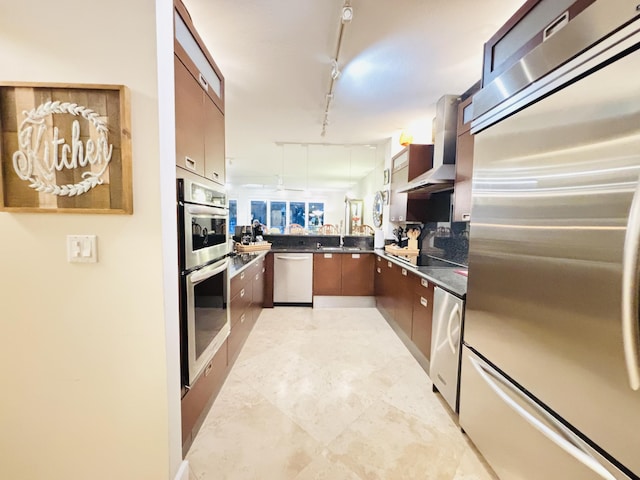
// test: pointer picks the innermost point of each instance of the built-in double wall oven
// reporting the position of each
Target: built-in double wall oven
(203, 245)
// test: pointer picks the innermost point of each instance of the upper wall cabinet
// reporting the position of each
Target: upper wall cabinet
(199, 97)
(415, 207)
(532, 24)
(464, 157)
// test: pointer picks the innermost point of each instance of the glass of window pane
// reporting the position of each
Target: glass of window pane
(233, 216)
(297, 213)
(259, 211)
(278, 215)
(316, 215)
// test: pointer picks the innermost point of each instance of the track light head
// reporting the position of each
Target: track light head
(347, 14)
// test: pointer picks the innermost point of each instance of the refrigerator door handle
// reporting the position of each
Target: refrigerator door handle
(630, 272)
(455, 311)
(550, 427)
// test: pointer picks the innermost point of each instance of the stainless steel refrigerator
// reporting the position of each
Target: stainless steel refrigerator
(550, 376)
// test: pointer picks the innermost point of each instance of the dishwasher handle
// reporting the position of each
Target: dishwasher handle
(284, 257)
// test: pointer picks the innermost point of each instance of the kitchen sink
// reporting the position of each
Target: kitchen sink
(352, 249)
(330, 249)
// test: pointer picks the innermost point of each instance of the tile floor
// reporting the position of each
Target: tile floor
(329, 394)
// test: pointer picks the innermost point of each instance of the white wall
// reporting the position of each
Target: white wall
(83, 356)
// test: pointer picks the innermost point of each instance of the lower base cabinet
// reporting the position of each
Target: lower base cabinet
(197, 401)
(407, 300)
(343, 274)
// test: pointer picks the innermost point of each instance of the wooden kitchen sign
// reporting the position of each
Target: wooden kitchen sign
(65, 148)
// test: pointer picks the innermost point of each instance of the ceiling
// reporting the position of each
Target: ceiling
(396, 59)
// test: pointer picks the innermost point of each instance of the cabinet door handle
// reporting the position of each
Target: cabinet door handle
(455, 312)
(424, 283)
(424, 302)
(242, 317)
(242, 293)
(404, 272)
(257, 276)
(466, 216)
(242, 276)
(389, 264)
(262, 269)
(378, 270)
(203, 81)
(190, 163)
(216, 175)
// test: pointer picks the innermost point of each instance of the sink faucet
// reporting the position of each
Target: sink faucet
(318, 245)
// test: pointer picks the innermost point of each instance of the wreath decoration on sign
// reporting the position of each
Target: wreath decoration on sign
(23, 159)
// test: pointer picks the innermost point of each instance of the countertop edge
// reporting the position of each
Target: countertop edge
(457, 284)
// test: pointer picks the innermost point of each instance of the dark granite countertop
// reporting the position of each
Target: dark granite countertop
(444, 277)
(306, 249)
(240, 261)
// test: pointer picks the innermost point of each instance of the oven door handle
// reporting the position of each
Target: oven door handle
(208, 271)
(203, 210)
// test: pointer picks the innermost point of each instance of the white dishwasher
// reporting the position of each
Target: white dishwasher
(293, 278)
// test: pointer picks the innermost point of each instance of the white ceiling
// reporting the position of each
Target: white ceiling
(397, 58)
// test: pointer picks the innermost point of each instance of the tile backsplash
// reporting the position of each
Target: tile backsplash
(447, 240)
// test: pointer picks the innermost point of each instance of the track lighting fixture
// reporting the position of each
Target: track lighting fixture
(347, 14)
(335, 71)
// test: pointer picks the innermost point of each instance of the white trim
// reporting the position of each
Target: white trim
(183, 471)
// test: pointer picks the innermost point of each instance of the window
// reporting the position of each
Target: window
(297, 213)
(278, 218)
(259, 211)
(233, 216)
(316, 215)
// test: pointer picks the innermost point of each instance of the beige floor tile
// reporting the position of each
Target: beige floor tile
(329, 394)
(324, 469)
(253, 441)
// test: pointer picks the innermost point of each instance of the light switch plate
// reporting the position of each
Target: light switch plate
(82, 249)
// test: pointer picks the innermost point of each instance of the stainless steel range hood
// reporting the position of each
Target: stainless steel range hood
(443, 173)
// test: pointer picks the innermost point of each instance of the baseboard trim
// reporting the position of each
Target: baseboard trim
(183, 471)
(328, 301)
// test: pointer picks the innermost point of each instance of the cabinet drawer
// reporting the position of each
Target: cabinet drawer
(237, 337)
(240, 281)
(239, 304)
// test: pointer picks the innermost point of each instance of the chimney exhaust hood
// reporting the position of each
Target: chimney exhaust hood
(441, 177)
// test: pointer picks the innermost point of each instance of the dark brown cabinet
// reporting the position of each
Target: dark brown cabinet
(190, 120)
(199, 101)
(327, 273)
(387, 276)
(198, 399)
(422, 315)
(404, 301)
(416, 206)
(343, 274)
(407, 300)
(357, 274)
(407, 165)
(464, 163)
(214, 153)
